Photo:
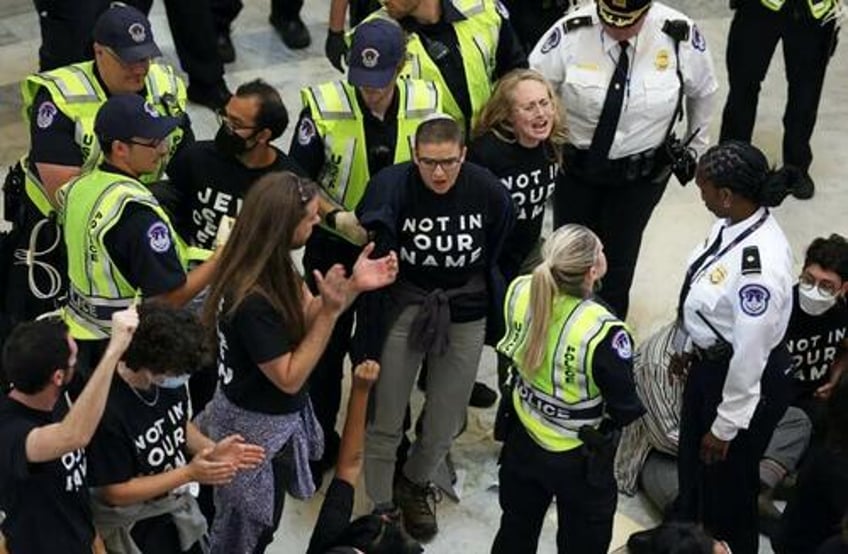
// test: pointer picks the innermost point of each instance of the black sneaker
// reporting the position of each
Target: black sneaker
(214, 97)
(226, 50)
(293, 32)
(418, 505)
(804, 187)
(482, 396)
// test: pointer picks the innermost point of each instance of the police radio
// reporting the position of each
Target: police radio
(681, 157)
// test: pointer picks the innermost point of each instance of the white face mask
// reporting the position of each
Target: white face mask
(172, 382)
(813, 302)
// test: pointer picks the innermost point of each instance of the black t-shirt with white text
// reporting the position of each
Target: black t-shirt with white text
(143, 432)
(813, 342)
(207, 185)
(529, 174)
(254, 334)
(46, 504)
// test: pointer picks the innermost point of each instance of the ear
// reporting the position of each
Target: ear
(462, 153)
(58, 377)
(264, 136)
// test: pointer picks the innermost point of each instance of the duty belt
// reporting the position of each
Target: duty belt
(642, 165)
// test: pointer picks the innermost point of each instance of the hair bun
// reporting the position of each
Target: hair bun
(778, 184)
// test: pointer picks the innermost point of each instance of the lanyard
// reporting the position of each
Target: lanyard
(697, 272)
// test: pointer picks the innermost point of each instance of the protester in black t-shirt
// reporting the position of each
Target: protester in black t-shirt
(139, 459)
(209, 179)
(271, 331)
(372, 534)
(43, 486)
(519, 138)
(820, 501)
(448, 219)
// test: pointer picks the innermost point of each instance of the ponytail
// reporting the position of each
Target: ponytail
(543, 288)
(777, 185)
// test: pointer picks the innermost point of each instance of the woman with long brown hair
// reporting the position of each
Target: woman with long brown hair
(271, 331)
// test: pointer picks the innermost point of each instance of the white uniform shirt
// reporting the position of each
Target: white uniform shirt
(750, 311)
(580, 63)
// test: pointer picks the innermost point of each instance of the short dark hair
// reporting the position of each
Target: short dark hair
(677, 538)
(439, 130)
(33, 351)
(830, 253)
(272, 112)
(374, 534)
(167, 340)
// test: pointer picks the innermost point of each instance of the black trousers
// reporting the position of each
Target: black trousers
(66, 31)
(617, 210)
(531, 20)
(325, 383)
(723, 495)
(530, 477)
(192, 27)
(224, 12)
(807, 48)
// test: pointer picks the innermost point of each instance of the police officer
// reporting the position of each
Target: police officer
(623, 69)
(285, 18)
(60, 106)
(66, 31)
(734, 308)
(348, 132)
(573, 389)
(532, 19)
(808, 31)
(463, 46)
(120, 242)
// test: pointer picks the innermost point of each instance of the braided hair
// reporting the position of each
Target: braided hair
(743, 168)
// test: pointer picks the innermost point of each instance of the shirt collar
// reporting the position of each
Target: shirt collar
(610, 45)
(450, 14)
(730, 232)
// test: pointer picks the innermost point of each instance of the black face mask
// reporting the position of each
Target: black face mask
(231, 143)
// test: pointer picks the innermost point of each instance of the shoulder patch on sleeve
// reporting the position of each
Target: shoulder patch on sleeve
(754, 299)
(699, 43)
(751, 261)
(622, 345)
(576, 23)
(305, 131)
(46, 114)
(552, 40)
(159, 237)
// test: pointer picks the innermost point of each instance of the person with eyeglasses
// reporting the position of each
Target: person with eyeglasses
(447, 219)
(270, 332)
(734, 308)
(348, 131)
(519, 138)
(60, 107)
(120, 243)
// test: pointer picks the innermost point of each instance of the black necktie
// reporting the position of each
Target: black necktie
(693, 269)
(605, 131)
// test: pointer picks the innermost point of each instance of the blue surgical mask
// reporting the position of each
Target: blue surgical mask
(171, 382)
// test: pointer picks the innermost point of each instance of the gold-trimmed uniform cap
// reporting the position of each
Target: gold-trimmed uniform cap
(622, 13)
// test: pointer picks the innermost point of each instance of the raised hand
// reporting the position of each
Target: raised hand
(124, 324)
(366, 374)
(235, 451)
(372, 274)
(334, 289)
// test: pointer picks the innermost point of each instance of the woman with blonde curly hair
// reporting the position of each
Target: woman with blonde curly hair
(519, 137)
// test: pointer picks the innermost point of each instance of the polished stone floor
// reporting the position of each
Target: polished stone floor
(679, 222)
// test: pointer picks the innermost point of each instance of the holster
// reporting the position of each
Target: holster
(599, 449)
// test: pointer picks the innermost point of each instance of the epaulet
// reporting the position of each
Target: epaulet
(751, 261)
(576, 23)
(677, 29)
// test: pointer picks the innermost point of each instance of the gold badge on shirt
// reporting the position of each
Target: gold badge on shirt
(661, 60)
(718, 275)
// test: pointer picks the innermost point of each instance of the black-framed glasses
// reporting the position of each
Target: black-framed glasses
(826, 288)
(224, 119)
(445, 163)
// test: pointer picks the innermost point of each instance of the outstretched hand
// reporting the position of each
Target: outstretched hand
(334, 289)
(372, 274)
(235, 451)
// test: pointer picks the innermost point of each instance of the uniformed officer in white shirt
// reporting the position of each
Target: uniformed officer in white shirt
(624, 69)
(735, 304)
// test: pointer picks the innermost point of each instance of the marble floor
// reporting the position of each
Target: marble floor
(679, 222)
